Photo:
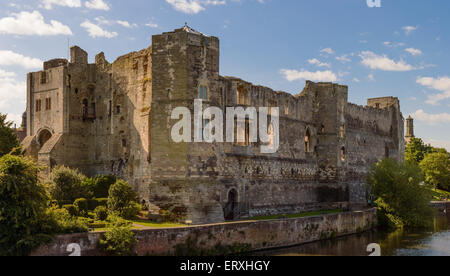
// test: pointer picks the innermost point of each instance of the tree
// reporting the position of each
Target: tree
(416, 150)
(8, 138)
(119, 240)
(23, 204)
(66, 185)
(436, 167)
(99, 186)
(122, 200)
(401, 197)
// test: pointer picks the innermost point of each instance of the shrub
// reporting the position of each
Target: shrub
(122, 200)
(401, 199)
(102, 202)
(92, 204)
(118, 241)
(66, 184)
(23, 202)
(82, 205)
(101, 213)
(72, 209)
(60, 221)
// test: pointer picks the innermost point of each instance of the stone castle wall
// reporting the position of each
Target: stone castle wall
(115, 118)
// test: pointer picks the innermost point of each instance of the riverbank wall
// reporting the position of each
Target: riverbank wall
(219, 239)
(441, 206)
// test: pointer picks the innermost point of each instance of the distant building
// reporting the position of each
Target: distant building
(114, 118)
(409, 129)
(22, 131)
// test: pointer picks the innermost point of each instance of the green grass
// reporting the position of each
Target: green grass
(436, 193)
(299, 215)
(157, 224)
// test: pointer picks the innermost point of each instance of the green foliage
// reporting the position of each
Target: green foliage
(122, 200)
(401, 199)
(22, 206)
(99, 186)
(8, 137)
(102, 202)
(101, 213)
(66, 184)
(436, 167)
(60, 221)
(119, 240)
(82, 206)
(416, 150)
(72, 209)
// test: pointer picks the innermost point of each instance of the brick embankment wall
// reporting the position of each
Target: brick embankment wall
(255, 235)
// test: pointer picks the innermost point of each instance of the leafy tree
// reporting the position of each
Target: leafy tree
(416, 150)
(122, 200)
(436, 167)
(401, 197)
(99, 185)
(66, 185)
(8, 138)
(119, 240)
(23, 204)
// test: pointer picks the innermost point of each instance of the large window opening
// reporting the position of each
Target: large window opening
(232, 204)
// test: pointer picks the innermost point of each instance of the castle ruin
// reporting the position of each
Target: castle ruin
(115, 118)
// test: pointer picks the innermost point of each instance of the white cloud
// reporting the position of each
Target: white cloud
(343, 59)
(375, 61)
(97, 5)
(356, 80)
(409, 29)
(431, 119)
(371, 77)
(317, 62)
(48, 4)
(438, 143)
(327, 51)
(193, 6)
(96, 31)
(9, 58)
(320, 76)
(31, 23)
(11, 90)
(126, 24)
(152, 25)
(414, 52)
(441, 84)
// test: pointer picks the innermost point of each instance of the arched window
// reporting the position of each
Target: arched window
(308, 141)
(230, 211)
(343, 153)
(241, 95)
(342, 131)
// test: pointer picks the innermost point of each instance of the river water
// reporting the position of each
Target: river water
(434, 242)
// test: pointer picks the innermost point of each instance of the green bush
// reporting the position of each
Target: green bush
(401, 199)
(8, 137)
(72, 209)
(23, 202)
(436, 167)
(82, 205)
(66, 184)
(118, 241)
(60, 221)
(102, 202)
(92, 204)
(101, 213)
(122, 200)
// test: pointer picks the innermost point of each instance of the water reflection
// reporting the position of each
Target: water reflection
(434, 242)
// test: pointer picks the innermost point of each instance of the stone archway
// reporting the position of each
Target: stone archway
(230, 208)
(43, 137)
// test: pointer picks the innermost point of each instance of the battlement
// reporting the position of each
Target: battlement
(78, 55)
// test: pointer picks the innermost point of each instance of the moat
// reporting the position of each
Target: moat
(434, 242)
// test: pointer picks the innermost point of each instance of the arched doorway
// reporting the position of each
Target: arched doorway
(44, 136)
(230, 208)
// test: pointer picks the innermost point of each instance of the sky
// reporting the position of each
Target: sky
(400, 49)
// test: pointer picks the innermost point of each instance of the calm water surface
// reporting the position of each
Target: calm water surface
(434, 242)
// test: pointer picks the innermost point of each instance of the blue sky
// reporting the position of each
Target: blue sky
(400, 49)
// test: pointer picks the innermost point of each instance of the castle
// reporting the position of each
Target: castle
(115, 118)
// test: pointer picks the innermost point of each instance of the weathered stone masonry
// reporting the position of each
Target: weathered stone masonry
(115, 118)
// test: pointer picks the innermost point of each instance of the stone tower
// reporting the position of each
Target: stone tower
(409, 129)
